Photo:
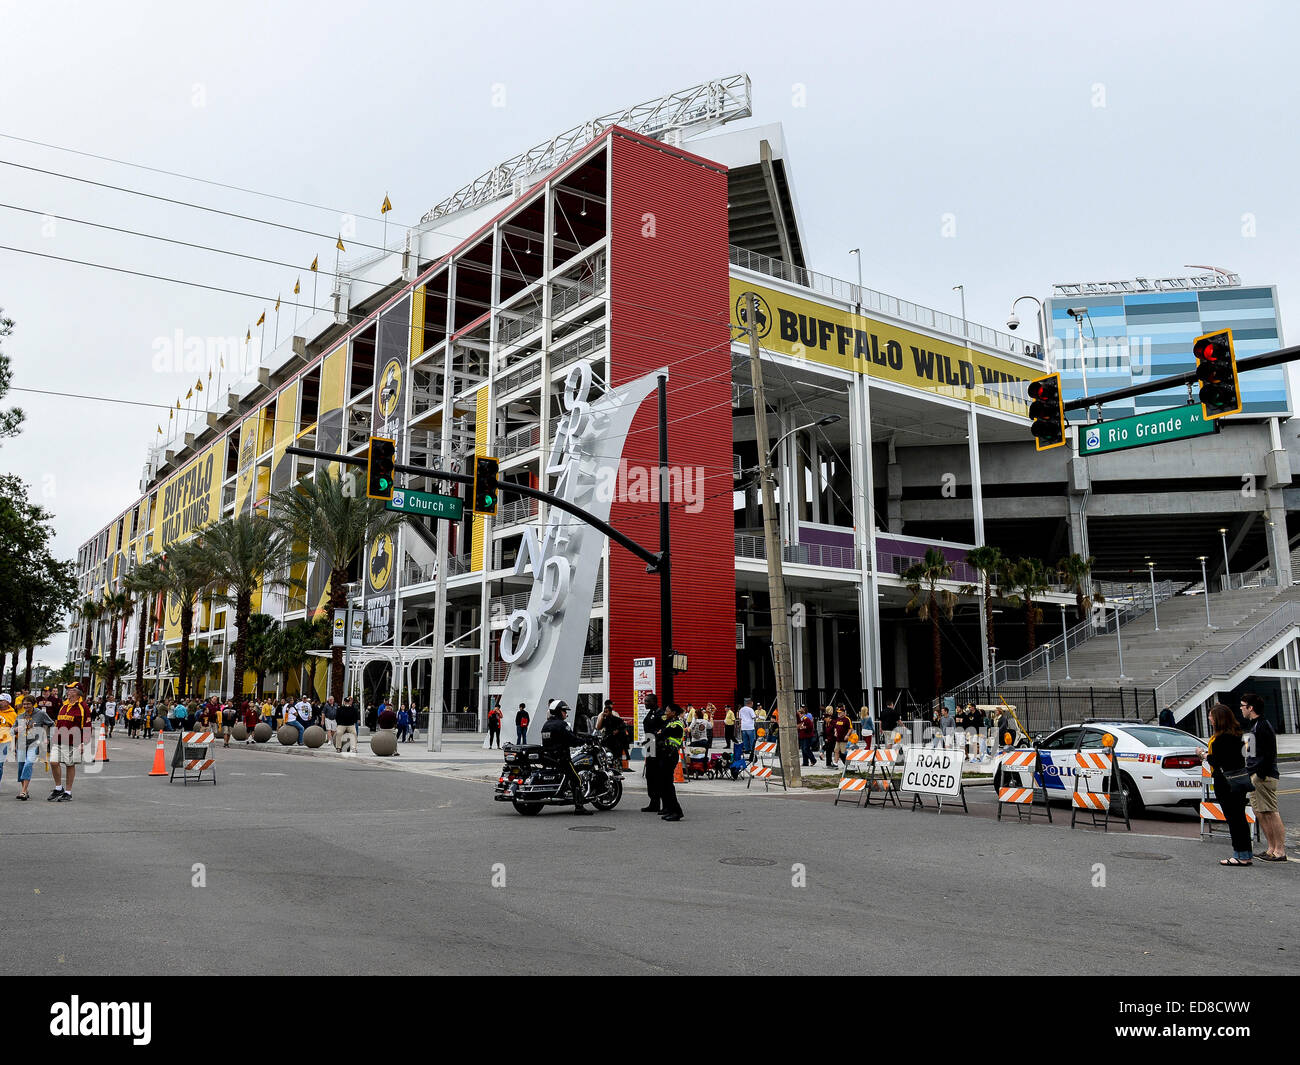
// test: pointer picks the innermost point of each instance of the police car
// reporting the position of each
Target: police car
(1158, 766)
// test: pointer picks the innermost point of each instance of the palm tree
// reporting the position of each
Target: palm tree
(325, 513)
(929, 600)
(1077, 573)
(145, 581)
(989, 563)
(201, 660)
(1029, 577)
(187, 572)
(263, 648)
(116, 606)
(244, 552)
(90, 612)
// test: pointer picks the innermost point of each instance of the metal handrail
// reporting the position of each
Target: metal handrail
(1222, 662)
(870, 299)
(1018, 670)
(832, 556)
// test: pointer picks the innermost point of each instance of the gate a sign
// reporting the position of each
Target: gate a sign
(543, 642)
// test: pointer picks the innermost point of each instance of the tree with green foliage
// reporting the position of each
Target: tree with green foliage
(989, 563)
(1076, 571)
(1028, 577)
(11, 420)
(244, 554)
(331, 516)
(929, 601)
(187, 573)
(146, 582)
(262, 648)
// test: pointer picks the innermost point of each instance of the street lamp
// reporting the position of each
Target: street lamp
(1227, 573)
(829, 419)
(1205, 584)
(1119, 643)
(1151, 569)
(965, 332)
(858, 253)
(1065, 642)
(1013, 322)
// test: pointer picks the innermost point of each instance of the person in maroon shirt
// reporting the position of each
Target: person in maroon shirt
(67, 746)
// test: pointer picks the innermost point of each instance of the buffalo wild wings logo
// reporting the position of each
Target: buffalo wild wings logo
(380, 563)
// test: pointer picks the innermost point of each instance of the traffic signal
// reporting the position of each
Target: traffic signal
(485, 485)
(379, 468)
(1216, 369)
(1046, 413)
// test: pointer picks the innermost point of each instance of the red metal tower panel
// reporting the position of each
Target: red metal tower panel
(669, 306)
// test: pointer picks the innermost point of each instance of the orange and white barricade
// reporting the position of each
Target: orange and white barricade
(1213, 822)
(1096, 792)
(883, 776)
(1028, 792)
(766, 766)
(854, 776)
(193, 755)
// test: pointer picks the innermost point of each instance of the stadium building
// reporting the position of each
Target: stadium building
(631, 242)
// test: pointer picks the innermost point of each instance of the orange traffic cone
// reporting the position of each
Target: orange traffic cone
(159, 761)
(101, 755)
(626, 763)
(678, 776)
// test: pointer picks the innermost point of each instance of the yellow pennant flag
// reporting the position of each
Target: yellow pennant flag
(223, 363)
(248, 336)
(171, 414)
(315, 263)
(339, 245)
(160, 430)
(189, 394)
(386, 206)
(296, 288)
(277, 304)
(209, 376)
(198, 384)
(178, 404)
(261, 320)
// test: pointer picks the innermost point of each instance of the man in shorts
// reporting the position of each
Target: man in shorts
(1261, 760)
(67, 745)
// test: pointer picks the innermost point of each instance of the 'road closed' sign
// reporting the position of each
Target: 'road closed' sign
(932, 771)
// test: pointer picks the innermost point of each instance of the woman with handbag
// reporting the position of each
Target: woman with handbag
(1231, 781)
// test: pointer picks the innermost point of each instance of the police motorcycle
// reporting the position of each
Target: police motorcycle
(530, 779)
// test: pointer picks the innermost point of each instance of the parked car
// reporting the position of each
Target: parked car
(1158, 766)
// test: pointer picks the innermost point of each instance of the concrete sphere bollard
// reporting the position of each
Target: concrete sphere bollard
(287, 735)
(314, 736)
(261, 732)
(384, 742)
(239, 733)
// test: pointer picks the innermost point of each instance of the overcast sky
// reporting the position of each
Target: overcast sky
(1070, 142)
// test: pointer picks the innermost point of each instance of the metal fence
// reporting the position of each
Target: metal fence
(1236, 654)
(1042, 710)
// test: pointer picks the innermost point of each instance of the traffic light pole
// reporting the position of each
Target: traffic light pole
(1255, 362)
(652, 559)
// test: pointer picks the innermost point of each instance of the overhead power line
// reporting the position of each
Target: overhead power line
(189, 177)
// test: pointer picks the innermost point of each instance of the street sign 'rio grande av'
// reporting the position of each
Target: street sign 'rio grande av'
(1157, 427)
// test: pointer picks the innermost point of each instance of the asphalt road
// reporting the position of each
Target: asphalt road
(320, 866)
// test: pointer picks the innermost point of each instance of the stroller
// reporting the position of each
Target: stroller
(696, 766)
(719, 765)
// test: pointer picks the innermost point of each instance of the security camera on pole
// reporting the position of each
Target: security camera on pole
(785, 698)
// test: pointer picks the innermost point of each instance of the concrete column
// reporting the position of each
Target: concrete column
(901, 678)
(1278, 477)
(822, 626)
(814, 473)
(894, 517)
(977, 516)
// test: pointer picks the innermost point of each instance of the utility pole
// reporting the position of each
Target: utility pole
(787, 724)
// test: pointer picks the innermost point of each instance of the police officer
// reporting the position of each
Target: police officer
(669, 750)
(652, 726)
(557, 739)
